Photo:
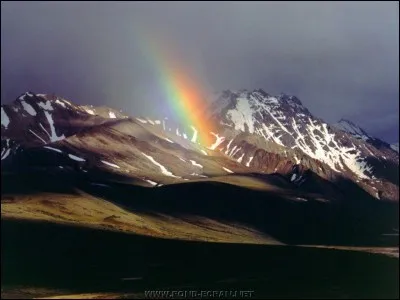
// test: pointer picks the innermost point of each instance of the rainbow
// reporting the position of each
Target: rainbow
(182, 93)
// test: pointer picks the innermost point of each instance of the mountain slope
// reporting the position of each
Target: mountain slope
(105, 196)
(251, 122)
(256, 132)
(395, 147)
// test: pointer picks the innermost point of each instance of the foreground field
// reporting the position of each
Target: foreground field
(54, 260)
(77, 237)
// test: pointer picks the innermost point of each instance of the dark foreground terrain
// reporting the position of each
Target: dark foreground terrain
(61, 259)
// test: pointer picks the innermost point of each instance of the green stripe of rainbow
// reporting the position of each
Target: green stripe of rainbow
(182, 93)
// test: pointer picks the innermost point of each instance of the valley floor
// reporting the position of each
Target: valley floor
(59, 259)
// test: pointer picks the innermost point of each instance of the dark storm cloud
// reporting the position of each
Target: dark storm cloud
(340, 59)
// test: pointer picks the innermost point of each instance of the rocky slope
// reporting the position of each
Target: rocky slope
(254, 133)
(252, 125)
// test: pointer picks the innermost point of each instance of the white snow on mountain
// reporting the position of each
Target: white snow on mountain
(141, 120)
(53, 136)
(61, 103)
(218, 141)
(5, 121)
(77, 158)
(204, 152)
(196, 164)
(286, 122)
(168, 140)
(395, 147)
(194, 137)
(110, 164)
(227, 170)
(163, 169)
(5, 152)
(350, 127)
(46, 106)
(153, 183)
(242, 115)
(34, 133)
(249, 161)
(54, 149)
(28, 108)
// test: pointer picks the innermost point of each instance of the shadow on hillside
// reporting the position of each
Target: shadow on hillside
(41, 254)
(387, 169)
(360, 220)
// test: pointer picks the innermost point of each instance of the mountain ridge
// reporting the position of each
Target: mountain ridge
(252, 129)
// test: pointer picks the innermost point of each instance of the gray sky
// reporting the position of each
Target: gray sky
(340, 59)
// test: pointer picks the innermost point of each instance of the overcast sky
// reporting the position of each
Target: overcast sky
(340, 59)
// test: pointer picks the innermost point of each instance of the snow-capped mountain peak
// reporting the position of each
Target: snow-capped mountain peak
(353, 129)
(38, 119)
(249, 127)
(395, 147)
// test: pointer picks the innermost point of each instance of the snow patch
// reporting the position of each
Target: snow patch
(240, 158)
(153, 183)
(5, 121)
(248, 163)
(242, 115)
(112, 115)
(293, 178)
(29, 108)
(44, 129)
(71, 156)
(194, 137)
(196, 164)
(37, 136)
(167, 139)
(53, 137)
(217, 142)
(163, 169)
(227, 146)
(46, 106)
(204, 152)
(227, 170)
(90, 111)
(177, 132)
(99, 184)
(54, 149)
(5, 154)
(110, 164)
(297, 160)
(141, 120)
(195, 174)
(60, 103)
(158, 122)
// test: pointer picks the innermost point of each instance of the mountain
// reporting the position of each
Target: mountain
(255, 123)
(350, 127)
(395, 147)
(254, 132)
(114, 198)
